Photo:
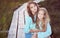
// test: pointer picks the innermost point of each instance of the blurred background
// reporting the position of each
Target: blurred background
(7, 8)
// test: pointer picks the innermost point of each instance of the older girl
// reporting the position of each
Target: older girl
(30, 20)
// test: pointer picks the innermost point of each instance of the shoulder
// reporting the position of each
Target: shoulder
(28, 18)
(48, 24)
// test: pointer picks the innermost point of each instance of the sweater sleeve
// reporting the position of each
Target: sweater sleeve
(27, 24)
(49, 31)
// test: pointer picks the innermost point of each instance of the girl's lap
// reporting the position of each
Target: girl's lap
(28, 35)
(40, 35)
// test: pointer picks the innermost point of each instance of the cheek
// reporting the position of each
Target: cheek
(32, 9)
(40, 16)
(35, 7)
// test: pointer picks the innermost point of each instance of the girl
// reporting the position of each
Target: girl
(43, 24)
(30, 20)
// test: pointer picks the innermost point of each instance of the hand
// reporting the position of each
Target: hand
(37, 30)
(34, 30)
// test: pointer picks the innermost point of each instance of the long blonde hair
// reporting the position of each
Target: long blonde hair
(46, 18)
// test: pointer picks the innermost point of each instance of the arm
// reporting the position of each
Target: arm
(34, 30)
(43, 29)
(27, 24)
(49, 31)
(37, 30)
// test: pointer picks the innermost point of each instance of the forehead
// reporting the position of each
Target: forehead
(41, 11)
(32, 4)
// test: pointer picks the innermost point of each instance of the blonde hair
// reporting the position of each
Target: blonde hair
(45, 20)
(47, 15)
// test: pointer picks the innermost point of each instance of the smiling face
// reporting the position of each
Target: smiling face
(41, 14)
(33, 8)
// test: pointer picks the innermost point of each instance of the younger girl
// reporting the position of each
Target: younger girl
(42, 24)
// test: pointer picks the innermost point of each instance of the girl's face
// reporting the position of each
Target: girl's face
(41, 14)
(33, 8)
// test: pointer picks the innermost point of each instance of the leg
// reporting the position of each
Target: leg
(34, 35)
(28, 35)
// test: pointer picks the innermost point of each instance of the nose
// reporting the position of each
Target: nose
(34, 9)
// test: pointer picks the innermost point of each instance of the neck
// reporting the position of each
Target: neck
(33, 13)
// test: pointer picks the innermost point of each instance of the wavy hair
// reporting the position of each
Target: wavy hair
(30, 12)
(45, 19)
